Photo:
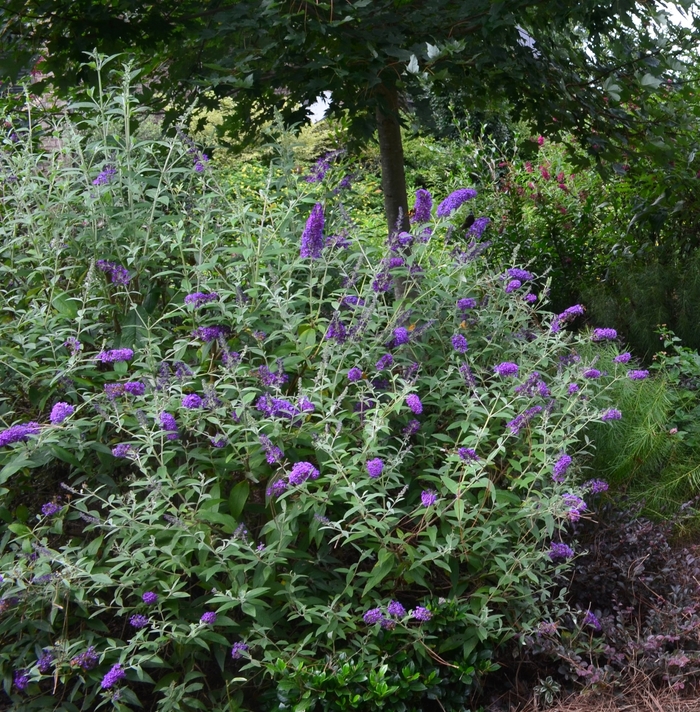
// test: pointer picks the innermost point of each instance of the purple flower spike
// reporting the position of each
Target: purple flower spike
(238, 650)
(21, 679)
(560, 467)
(375, 467)
(421, 614)
(354, 374)
(603, 335)
(138, 621)
(414, 403)
(50, 508)
(506, 369)
(422, 207)
(372, 616)
(192, 401)
(513, 285)
(208, 618)
(113, 677)
(396, 609)
(636, 375)
(560, 550)
(428, 497)
(60, 412)
(611, 414)
(459, 344)
(18, 433)
(455, 200)
(467, 454)
(312, 237)
(401, 336)
(592, 620)
(623, 358)
(149, 598)
(115, 355)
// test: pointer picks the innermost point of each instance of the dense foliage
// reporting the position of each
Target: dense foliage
(237, 471)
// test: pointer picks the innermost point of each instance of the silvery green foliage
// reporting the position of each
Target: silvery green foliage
(261, 499)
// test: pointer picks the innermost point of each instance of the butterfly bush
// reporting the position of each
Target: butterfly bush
(308, 489)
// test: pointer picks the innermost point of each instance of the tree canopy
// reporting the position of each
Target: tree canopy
(589, 66)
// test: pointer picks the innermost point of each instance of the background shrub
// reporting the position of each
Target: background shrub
(271, 482)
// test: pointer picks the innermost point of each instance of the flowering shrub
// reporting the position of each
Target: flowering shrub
(303, 492)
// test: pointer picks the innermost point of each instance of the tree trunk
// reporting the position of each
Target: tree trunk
(391, 154)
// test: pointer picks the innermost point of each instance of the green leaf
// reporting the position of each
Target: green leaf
(385, 563)
(238, 498)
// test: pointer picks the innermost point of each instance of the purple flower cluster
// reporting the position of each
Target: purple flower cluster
(611, 414)
(382, 282)
(237, 650)
(118, 273)
(18, 433)
(592, 620)
(401, 336)
(336, 330)
(272, 378)
(428, 497)
(455, 200)
(169, 424)
(115, 355)
(533, 386)
(637, 375)
(522, 274)
(477, 228)
(210, 333)
(301, 472)
(50, 508)
(421, 613)
(460, 344)
(198, 299)
(623, 358)
(44, 662)
(323, 165)
(414, 403)
(375, 467)
(592, 373)
(208, 618)
(281, 408)
(596, 486)
(466, 303)
(218, 442)
(122, 450)
(560, 467)
(312, 237)
(412, 428)
(105, 175)
(385, 361)
(73, 345)
(21, 679)
(575, 506)
(559, 550)
(423, 206)
(566, 316)
(192, 401)
(87, 660)
(113, 677)
(513, 285)
(60, 412)
(138, 621)
(603, 335)
(372, 616)
(506, 369)
(354, 374)
(521, 420)
(273, 454)
(467, 454)
(573, 388)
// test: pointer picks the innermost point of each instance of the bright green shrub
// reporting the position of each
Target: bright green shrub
(360, 487)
